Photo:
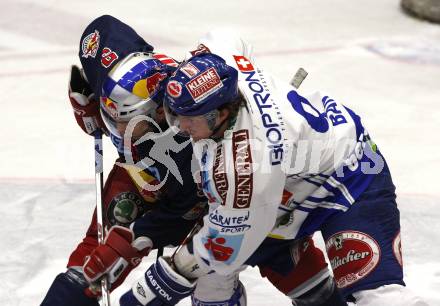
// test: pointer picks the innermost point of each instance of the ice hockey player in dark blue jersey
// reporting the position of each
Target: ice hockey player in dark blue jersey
(150, 196)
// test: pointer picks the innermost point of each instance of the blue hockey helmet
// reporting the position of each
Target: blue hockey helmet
(135, 86)
(200, 85)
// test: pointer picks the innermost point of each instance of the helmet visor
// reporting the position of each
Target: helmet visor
(197, 127)
(116, 120)
(173, 121)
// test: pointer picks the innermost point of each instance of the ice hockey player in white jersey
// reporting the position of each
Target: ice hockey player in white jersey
(277, 166)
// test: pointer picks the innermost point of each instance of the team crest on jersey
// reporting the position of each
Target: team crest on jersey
(353, 255)
(125, 208)
(90, 45)
(397, 249)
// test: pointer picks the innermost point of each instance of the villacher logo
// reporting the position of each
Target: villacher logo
(353, 255)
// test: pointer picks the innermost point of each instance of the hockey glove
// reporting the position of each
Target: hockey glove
(119, 253)
(85, 106)
(160, 285)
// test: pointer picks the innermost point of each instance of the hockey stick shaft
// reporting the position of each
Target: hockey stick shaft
(99, 179)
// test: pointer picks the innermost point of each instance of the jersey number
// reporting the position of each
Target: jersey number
(108, 57)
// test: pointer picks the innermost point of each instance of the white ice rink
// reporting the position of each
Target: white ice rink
(376, 60)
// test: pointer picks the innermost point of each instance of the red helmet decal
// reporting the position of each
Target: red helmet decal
(174, 89)
(154, 80)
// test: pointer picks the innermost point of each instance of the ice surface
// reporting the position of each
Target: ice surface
(375, 59)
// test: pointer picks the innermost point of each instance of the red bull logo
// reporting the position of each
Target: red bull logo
(145, 88)
(110, 107)
(90, 45)
(154, 81)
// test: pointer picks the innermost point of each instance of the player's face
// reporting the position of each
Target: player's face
(197, 127)
(194, 126)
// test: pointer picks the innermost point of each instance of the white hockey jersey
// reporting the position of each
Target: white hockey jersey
(287, 164)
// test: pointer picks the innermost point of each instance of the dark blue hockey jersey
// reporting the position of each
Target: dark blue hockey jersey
(105, 42)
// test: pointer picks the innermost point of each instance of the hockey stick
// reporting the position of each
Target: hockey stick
(159, 252)
(99, 178)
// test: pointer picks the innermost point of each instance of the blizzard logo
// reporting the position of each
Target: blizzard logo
(220, 178)
(204, 85)
(270, 116)
(243, 169)
(157, 287)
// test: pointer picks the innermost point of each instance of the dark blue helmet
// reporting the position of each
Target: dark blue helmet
(200, 85)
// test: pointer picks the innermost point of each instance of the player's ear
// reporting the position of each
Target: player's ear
(223, 114)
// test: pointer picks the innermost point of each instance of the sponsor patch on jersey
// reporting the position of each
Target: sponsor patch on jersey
(353, 255)
(174, 89)
(242, 169)
(228, 222)
(222, 248)
(204, 85)
(90, 45)
(201, 49)
(189, 70)
(397, 248)
(108, 57)
(243, 64)
(124, 208)
(220, 177)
